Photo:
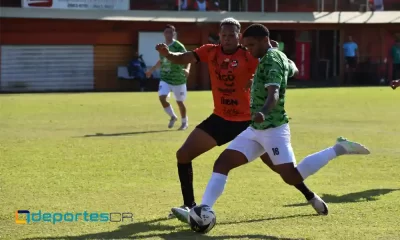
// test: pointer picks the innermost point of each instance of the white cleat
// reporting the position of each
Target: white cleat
(172, 122)
(181, 213)
(319, 205)
(352, 147)
(184, 126)
(172, 215)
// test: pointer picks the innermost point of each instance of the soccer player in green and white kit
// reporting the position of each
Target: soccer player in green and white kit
(269, 130)
(173, 79)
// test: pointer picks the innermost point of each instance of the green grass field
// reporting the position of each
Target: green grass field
(112, 152)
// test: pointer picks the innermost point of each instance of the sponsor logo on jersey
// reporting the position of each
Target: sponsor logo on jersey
(229, 101)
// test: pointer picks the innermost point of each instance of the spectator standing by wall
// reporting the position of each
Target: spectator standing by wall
(351, 56)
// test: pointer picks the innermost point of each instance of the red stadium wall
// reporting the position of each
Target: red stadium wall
(115, 42)
(45, 31)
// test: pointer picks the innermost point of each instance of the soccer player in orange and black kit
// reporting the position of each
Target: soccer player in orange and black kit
(231, 68)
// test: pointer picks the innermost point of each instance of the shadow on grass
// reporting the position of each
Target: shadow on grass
(143, 230)
(368, 195)
(124, 133)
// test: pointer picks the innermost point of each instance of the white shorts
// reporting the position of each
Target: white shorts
(179, 91)
(274, 141)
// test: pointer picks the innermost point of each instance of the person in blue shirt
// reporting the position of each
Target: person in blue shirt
(351, 57)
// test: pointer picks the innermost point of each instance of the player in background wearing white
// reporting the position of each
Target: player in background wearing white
(269, 131)
(173, 79)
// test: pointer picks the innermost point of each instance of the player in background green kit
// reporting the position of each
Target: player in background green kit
(269, 130)
(173, 79)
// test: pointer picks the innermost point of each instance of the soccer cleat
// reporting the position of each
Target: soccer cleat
(172, 122)
(184, 126)
(182, 214)
(352, 147)
(171, 214)
(319, 205)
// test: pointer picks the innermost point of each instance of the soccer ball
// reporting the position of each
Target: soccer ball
(202, 219)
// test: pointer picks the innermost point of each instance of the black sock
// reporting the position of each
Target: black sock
(185, 172)
(305, 191)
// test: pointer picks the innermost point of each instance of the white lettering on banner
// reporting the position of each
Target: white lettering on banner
(302, 60)
(78, 4)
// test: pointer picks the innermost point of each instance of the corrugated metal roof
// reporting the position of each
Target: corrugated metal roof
(174, 16)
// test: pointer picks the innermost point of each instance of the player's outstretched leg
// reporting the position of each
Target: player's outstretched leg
(169, 110)
(182, 109)
(316, 202)
(311, 164)
(228, 160)
(196, 144)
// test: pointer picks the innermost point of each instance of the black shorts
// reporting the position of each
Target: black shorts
(223, 131)
(351, 61)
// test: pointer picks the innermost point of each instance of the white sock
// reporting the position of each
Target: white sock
(170, 111)
(185, 119)
(214, 189)
(314, 162)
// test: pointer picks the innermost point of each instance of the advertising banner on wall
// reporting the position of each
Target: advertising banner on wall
(78, 4)
(303, 59)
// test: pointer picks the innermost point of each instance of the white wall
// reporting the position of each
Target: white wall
(46, 67)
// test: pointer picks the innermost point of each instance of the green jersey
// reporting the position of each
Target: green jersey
(274, 69)
(173, 73)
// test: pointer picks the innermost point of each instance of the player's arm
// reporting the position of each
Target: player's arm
(181, 58)
(272, 79)
(155, 67)
(187, 69)
(198, 55)
(272, 99)
(293, 70)
(187, 66)
(152, 69)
